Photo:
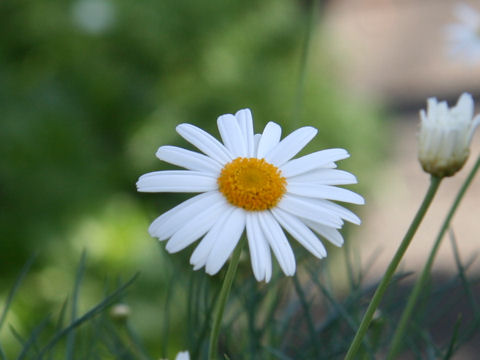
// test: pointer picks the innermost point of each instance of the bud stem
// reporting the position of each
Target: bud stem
(377, 297)
(419, 285)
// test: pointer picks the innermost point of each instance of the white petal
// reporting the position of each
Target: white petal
(313, 161)
(278, 242)
(202, 251)
(310, 209)
(300, 232)
(290, 146)
(331, 234)
(330, 165)
(325, 177)
(260, 256)
(245, 121)
(227, 240)
(324, 192)
(195, 227)
(176, 181)
(232, 135)
(188, 159)
(270, 138)
(256, 141)
(205, 143)
(170, 222)
(464, 107)
(339, 210)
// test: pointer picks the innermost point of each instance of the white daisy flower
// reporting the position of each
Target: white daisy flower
(464, 36)
(251, 182)
(445, 135)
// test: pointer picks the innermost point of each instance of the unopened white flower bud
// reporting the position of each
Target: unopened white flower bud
(445, 135)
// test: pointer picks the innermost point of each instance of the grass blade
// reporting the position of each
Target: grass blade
(278, 354)
(17, 335)
(2, 354)
(87, 316)
(166, 319)
(14, 289)
(76, 290)
(337, 307)
(308, 315)
(461, 274)
(453, 340)
(32, 339)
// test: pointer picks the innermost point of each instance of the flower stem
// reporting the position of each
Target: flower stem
(309, 28)
(222, 300)
(421, 281)
(377, 297)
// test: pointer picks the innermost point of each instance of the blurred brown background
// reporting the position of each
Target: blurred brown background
(396, 52)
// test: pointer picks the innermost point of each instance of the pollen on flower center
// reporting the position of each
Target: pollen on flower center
(252, 184)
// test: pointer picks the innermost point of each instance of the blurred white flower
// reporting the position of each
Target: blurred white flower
(251, 182)
(183, 355)
(120, 312)
(93, 16)
(464, 37)
(445, 135)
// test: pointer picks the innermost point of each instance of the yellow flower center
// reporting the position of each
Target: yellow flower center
(252, 184)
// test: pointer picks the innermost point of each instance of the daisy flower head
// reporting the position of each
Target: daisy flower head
(464, 36)
(445, 135)
(251, 182)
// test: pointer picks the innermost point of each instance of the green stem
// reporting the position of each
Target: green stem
(377, 297)
(309, 26)
(421, 281)
(222, 300)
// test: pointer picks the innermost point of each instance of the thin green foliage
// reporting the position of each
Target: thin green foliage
(278, 353)
(307, 313)
(166, 314)
(474, 325)
(462, 275)
(135, 340)
(353, 284)
(311, 17)
(14, 289)
(76, 291)
(87, 316)
(250, 296)
(453, 339)
(32, 340)
(60, 322)
(336, 305)
(17, 335)
(258, 325)
(2, 353)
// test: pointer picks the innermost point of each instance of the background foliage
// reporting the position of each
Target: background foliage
(90, 89)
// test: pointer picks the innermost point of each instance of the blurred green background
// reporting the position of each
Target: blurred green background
(89, 89)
